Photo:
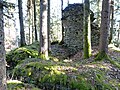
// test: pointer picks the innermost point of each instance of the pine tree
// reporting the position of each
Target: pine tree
(104, 28)
(34, 5)
(62, 41)
(43, 50)
(48, 26)
(2, 51)
(22, 34)
(112, 21)
(87, 30)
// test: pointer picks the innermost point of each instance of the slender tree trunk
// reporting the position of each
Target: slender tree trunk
(104, 28)
(87, 30)
(2, 51)
(43, 29)
(112, 21)
(98, 12)
(48, 23)
(32, 17)
(118, 40)
(34, 4)
(62, 41)
(22, 34)
(29, 19)
(29, 28)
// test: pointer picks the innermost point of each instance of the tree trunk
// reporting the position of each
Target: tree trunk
(29, 19)
(112, 21)
(29, 27)
(48, 23)
(32, 20)
(43, 29)
(62, 41)
(22, 34)
(2, 51)
(87, 30)
(104, 28)
(118, 37)
(98, 13)
(34, 4)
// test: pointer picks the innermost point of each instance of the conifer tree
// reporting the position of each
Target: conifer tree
(87, 30)
(43, 50)
(22, 34)
(2, 51)
(104, 28)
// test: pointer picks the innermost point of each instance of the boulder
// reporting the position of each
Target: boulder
(73, 28)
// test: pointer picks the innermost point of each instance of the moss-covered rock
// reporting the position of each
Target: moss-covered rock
(17, 55)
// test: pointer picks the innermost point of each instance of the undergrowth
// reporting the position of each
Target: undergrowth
(17, 85)
(15, 56)
(49, 75)
(56, 74)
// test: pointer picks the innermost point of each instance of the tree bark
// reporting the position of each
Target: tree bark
(112, 21)
(48, 26)
(62, 41)
(32, 20)
(22, 34)
(87, 30)
(98, 13)
(34, 4)
(29, 6)
(104, 28)
(29, 27)
(118, 37)
(43, 29)
(2, 51)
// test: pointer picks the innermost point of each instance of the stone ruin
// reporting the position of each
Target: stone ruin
(73, 28)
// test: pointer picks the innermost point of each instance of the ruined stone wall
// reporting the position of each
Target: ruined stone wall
(73, 27)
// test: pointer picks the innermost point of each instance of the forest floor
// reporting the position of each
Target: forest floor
(110, 68)
(101, 75)
(108, 71)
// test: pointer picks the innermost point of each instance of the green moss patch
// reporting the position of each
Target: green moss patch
(51, 75)
(17, 85)
(16, 56)
(101, 56)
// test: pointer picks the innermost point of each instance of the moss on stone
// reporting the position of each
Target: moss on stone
(15, 56)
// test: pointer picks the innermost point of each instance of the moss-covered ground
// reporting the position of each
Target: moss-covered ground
(70, 73)
(18, 85)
